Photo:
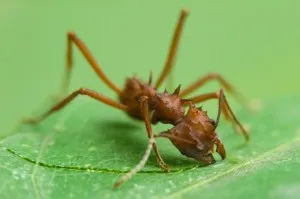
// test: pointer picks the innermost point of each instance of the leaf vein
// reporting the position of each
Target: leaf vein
(89, 168)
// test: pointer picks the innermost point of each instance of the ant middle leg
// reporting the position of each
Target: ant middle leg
(145, 112)
(72, 38)
(72, 96)
(222, 107)
(214, 76)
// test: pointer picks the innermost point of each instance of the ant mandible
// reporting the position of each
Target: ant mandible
(193, 133)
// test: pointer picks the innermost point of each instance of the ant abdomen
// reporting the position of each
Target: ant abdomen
(135, 88)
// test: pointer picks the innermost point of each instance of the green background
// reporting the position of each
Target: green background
(254, 44)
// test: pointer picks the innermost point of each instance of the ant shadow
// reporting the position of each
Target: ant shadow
(125, 133)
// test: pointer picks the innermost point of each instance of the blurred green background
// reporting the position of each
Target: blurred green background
(254, 44)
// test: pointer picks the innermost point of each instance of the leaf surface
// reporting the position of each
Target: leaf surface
(81, 151)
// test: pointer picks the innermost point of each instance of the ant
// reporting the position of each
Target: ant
(193, 133)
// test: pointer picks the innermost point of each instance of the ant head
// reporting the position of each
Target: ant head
(194, 136)
(192, 142)
(198, 151)
(199, 118)
(168, 108)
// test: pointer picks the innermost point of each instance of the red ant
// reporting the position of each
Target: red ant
(193, 133)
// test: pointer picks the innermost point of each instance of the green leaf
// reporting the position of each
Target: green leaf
(82, 150)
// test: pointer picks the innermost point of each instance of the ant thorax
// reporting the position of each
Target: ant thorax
(168, 108)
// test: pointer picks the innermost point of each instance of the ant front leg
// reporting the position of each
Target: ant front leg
(223, 106)
(222, 81)
(72, 96)
(220, 147)
(139, 166)
(173, 49)
(145, 112)
(229, 115)
(72, 38)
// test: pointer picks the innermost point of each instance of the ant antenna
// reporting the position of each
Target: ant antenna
(150, 78)
(221, 101)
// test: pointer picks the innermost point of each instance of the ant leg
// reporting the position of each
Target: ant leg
(145, 113)
(73, 39)
(220, 107)
(214, 76)
(200, 98)
(68, 99)
(231, 116)
(139, 166)
(223, 105)
(173, 48)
